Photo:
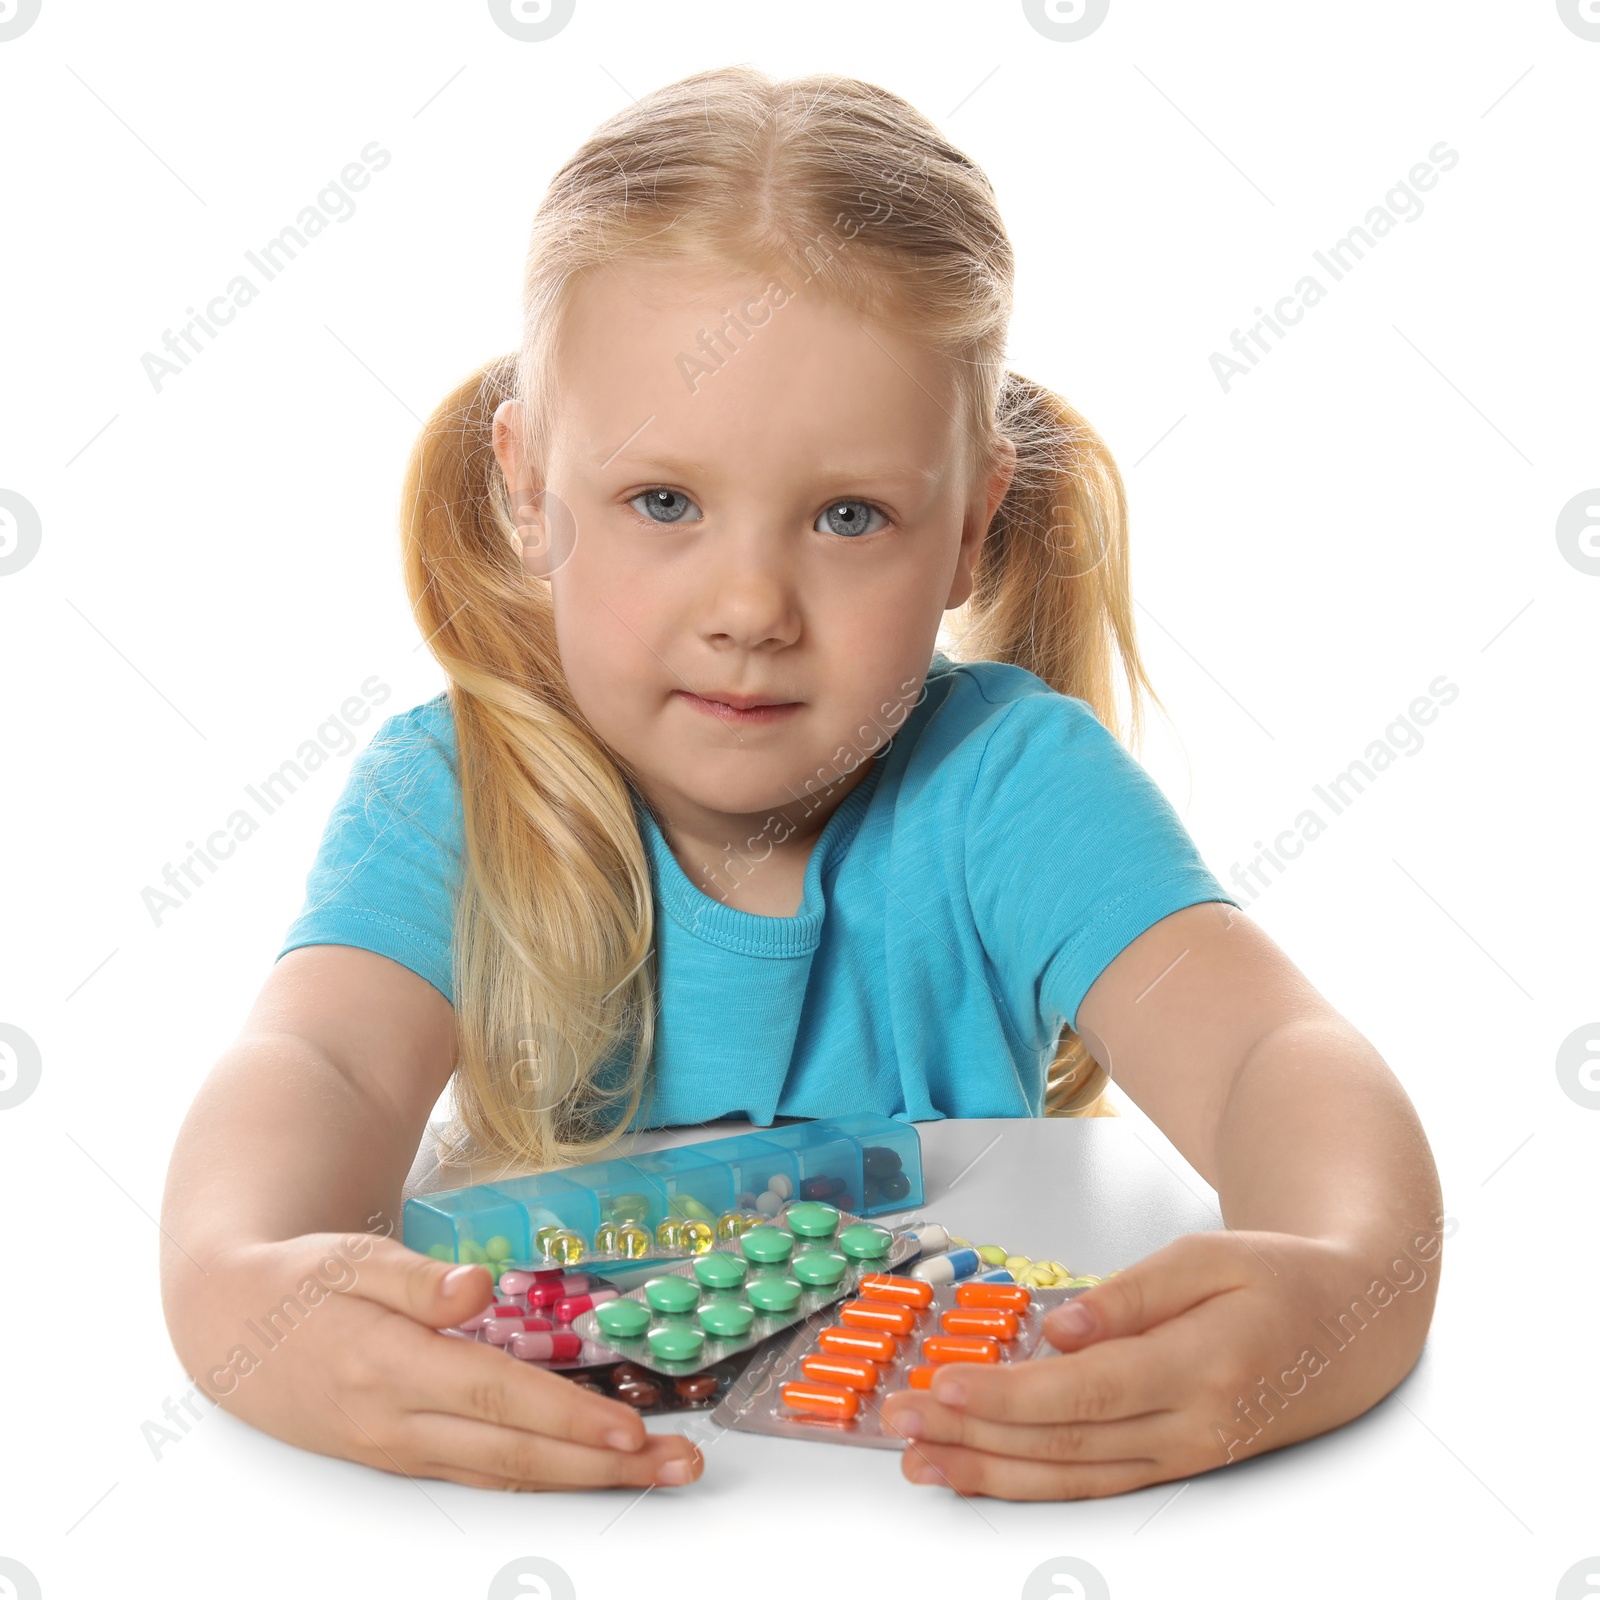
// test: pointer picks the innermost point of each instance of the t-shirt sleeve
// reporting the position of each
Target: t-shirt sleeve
(1072, 852)
(387, 870)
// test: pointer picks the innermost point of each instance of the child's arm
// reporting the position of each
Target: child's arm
(284, 1306)
(1305, 1312)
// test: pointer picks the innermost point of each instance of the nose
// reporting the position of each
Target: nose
(751, 598)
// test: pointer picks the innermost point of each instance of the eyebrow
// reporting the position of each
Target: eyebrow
(681, 466)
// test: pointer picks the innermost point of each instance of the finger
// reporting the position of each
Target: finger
(437, 1293)
(1152, 1291)
(477, 1381)
(511, 1458)
(1131, 1438)
(1103, 1383)
(1005, 1477)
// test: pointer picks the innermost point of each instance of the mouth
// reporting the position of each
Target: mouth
(740, 709)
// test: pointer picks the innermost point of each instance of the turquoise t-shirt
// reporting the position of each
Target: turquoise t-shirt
(1003, 848)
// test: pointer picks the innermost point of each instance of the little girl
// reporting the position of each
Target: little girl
(705, 826)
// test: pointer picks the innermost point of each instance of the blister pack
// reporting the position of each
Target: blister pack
(693, 1314)
(830, 1379)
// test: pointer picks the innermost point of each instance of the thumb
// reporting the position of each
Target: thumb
(439, 1294)
(1151, 1291)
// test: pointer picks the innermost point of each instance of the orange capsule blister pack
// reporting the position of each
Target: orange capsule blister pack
(830, 1380)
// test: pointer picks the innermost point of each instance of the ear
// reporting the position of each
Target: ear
(981, 508)
(545, 534)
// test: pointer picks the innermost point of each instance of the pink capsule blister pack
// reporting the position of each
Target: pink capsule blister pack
(829, 1380)
(533, 1313)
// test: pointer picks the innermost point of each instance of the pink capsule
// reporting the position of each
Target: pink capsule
(549, 1274)
(501, 1309)
(576, 1304)
(488, 1314)
(516, 1281)
(504, 1329)
(546, 1294)
(546, 1346)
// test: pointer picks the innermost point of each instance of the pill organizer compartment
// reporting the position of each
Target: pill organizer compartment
(829, 1162)
(695, 1185)
(468, 1225)
(891, 1161)
(755, 1403)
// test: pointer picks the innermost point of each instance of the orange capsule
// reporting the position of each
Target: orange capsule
(960, 1347)
(852, 1371)
(902, 1291)
(858, 1342)
(997, 1324)
(1007, 1296)
(878, 1314)
(920, 1377)
(821, 1399)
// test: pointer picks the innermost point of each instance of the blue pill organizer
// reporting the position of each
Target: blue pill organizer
(861, 1164)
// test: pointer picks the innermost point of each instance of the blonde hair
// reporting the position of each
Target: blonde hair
(822, 175)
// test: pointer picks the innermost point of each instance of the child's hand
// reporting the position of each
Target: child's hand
(363, 1375)
(1153, 1384)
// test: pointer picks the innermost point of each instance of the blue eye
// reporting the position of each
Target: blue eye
(666, 505)
(849, 518)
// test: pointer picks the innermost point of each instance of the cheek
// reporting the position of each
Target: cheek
(607, 618)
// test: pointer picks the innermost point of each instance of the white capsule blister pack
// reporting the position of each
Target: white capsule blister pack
(695, 1313)
(756, 1403)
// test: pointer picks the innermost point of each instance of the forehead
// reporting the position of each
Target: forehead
(742, 372)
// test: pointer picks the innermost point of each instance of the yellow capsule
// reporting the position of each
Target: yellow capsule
(566, 1247)
(669, 1233)
(993, 1254)
(541, 1240)
(605, 1239)
(633, 1241)
(730, 1225)
(696, 1237)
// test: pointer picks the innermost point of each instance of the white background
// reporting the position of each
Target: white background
(1373, 506)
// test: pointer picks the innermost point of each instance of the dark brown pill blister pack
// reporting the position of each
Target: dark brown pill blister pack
(653, 1393)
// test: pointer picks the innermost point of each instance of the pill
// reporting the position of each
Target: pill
(854, 1372)
(634, 1241)
(605, 1238)
(473, 1323)
(920, 1377)
(719, 1270)
(441, 1252)
(506, 1309)
(546, 1346)
(821, 1399)
(864, 1241)
(472, 1251)
(630, 1207)
(566, 1247)
(546, 1294)
(960, 1347)
(574, 1305)
(1017, 1264)
(819, 1268)
(747, 1200)
(773, 1294)
(895, 1187)
(766, 1244)
(995, 1321)
(622, 1319)
(548, 1274)
(947, 1268)
(1005, 1296)
(812, 1219)
(627, 1372)
(675, 1344)
(521, 1280)
(994, 1275)
(879, 1161)
(726, 1319)
(931, 1238)
(641, 1396)
(823, 1188)
(502, 1330)
(498, 1248)
(672, 1294)
(781, 1186)
(688, 1206)
(768, 1204)
(868, 1342)
(902, 1291)
(698, 1386)
(696, 1237)
(730, 1225)
(669, 1234)
(878, 1314)
(993, 1255)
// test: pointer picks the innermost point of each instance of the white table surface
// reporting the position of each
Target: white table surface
(1436, 1490)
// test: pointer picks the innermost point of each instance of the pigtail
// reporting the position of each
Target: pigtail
(1051, 595)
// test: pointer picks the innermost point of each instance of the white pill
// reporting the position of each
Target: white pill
(768, 1204)
(932, 1237)
(780, 1186)
(747, 1201)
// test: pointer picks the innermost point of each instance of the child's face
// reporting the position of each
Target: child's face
(760, 464)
